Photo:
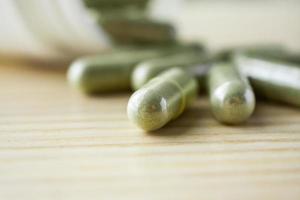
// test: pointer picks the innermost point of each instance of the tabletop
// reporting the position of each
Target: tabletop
(58, 144)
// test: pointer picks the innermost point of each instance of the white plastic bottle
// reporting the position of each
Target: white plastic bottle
(55, 29)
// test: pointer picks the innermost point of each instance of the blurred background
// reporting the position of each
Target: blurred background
(57, 144)
(234, 22)
(55, 29)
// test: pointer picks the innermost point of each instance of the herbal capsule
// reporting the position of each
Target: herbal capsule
(147, 70)
(274, 80)
(284, 56)
(274, 52)
(111, 71)
(258, 50)
(162, 99)
(231, 97)
(112, 4)
(129, 29)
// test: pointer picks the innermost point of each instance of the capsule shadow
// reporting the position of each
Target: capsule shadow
(180, 126)
(110, 94)
(266, 110)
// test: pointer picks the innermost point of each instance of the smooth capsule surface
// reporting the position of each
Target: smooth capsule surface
(136, 29)
(111, 71)
(278, 81)
(114, 4)
(231, 97)
(147, 70)
(272, 52)
(162, 99)
(263, 50)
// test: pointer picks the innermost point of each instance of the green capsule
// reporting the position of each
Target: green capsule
(111, 4)
(284, 56)
(111, 71)
(267, 50)
(271, 79)
(231, 97)
(162, 99)
(134, 28)
(148, 69)
(274, 52)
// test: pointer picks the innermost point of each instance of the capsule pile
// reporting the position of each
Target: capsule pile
(167, 75)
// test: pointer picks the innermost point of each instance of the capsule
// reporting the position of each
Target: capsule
(231, 97)
(113, 4)
(137, 29)
(284, 56)
(263, 50)
(110, 72)
(147, 70)
(278, 81)
(162, 99)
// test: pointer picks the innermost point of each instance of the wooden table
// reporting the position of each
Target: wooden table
(58, 144)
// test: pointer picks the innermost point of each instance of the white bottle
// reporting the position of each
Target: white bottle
(48, 29)
(54, 29)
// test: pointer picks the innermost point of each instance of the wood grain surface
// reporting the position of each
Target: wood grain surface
(57, 144)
